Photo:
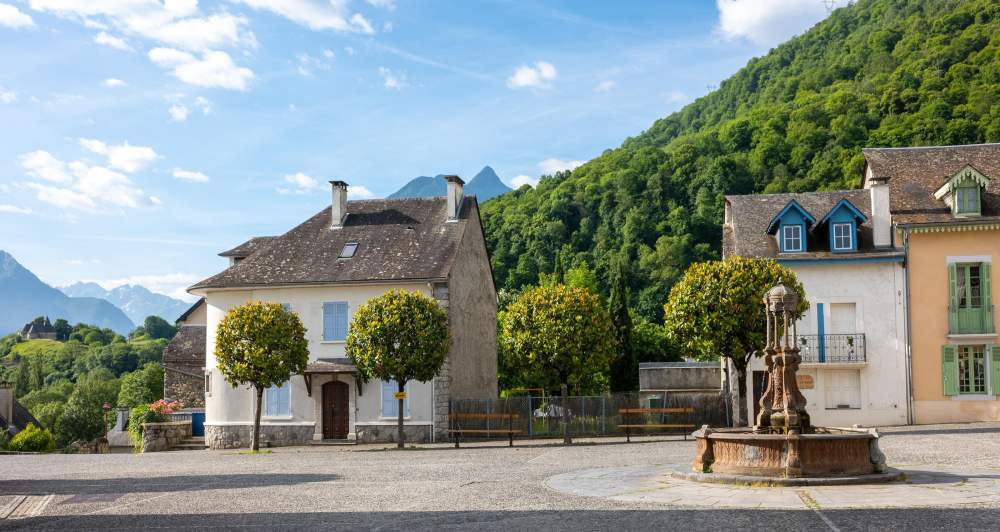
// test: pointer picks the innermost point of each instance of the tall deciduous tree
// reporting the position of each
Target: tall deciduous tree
(561, 332)
(717, 309)
(624, 369)
(400, 336)
(261, 345)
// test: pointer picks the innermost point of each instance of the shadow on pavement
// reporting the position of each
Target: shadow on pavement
(937, 432)
(154, 484)
(550, 520)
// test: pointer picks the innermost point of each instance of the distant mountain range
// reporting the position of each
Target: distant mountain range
(23, 297)
(485, 185)
(136, 301)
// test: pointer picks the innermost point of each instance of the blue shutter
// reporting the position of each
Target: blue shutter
(271, 401)
(389, 402)
(284, 393)
(335, 321)
(328, 321)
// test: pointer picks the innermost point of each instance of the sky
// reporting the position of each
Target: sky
(142, 137)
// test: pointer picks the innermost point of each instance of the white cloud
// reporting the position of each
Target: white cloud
(204, 34)
(178, 113)
(359, 192)
(349, 50)
(7, 96)
(605, 86)
(521, 180)
(113, 82)
(214, 69)
(14, 209)
(190, 176)
(384, 4)
(203, 104)
(391, 80)
(767, 22)
(123, 156)
(12, 17)
(171, 284)
(308, 63)
(551, 166)
(42, 165)
(315, 14)
(303, 184)
(539, 76)
(74, 262)
(107, 185)
(62, 197)
(328, 53)
(109, 40)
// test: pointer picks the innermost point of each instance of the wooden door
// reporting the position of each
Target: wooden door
(336, 418)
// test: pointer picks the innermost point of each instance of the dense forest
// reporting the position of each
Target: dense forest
(878, 73)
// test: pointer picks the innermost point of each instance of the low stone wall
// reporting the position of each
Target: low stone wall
(239, 436)
(163, 436)
(388, 433)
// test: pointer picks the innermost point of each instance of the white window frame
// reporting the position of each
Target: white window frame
(849, 236)
(785, 237)
(395, 388)
(280, 415)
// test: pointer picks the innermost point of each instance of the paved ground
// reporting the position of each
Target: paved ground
(437, 487)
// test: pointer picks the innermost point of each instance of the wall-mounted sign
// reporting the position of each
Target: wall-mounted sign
(805, 382)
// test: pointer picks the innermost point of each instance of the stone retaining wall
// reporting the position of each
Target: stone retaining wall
(388, 433)
(163, 436)
(239, 436)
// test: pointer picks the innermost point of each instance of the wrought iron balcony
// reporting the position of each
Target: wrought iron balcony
(971, 320)
(832, 348)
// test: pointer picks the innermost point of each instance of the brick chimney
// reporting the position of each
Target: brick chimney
(338, 209)
(456, 193)
(878, 187)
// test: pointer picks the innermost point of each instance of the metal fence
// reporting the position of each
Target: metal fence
(542, 417)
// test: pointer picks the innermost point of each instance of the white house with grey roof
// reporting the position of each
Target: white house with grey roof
(853, 337)
(323, 270)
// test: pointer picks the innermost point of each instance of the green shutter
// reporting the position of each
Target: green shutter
(994, 352)
(952, 298)
(987, 283)
(949, 369)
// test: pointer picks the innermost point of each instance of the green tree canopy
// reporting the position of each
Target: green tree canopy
(157, 327)
(261, 345)
(624, 368)
(400, 336)
(142, 386)
(717, 310)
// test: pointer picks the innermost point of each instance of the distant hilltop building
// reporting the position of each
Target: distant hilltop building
(38, 329)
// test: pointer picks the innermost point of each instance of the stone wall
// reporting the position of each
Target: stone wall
(239, 436)
(184, 383)
(387, 433)
(163, 436)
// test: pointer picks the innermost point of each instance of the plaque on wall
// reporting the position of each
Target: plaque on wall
(805, 382)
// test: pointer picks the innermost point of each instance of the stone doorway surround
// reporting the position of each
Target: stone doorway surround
(318, 385)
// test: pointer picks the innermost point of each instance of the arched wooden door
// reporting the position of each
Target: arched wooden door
(336, 417)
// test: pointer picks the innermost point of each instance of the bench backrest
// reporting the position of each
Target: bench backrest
(484, 416)
(687, 410)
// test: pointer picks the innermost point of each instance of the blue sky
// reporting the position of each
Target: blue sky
(144, 136)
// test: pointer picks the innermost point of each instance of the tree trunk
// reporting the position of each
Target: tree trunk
(741, 408)
(399, 416)
(565, 414)
(255, 440)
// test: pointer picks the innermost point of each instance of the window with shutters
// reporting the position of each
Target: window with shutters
(971, 369)
(390, 405)
(842, 388)
(967, 200)
(277, 401)
(335, 321)
(970, 309)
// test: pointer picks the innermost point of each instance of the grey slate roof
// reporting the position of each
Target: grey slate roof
(331, 365)
(247, 248)
(916, 173)
(186, 347)
(751, 215)
(398, 240)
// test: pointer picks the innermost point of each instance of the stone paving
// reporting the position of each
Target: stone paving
(535, 485)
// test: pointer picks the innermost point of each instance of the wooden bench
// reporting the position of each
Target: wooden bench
(510, 431)
(628, 413)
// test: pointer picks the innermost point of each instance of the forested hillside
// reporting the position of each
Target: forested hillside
(879, 73)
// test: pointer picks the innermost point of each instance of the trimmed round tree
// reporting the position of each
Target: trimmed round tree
(400, 336)
(261, 345)
(562, 333)
(717, 310)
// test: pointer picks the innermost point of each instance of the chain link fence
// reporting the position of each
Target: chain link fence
(588, 416)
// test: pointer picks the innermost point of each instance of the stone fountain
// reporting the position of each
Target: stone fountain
(783, 447)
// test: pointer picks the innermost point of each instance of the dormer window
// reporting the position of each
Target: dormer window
(349, 249)
(792, 237)
(963, 192)
(843, 236)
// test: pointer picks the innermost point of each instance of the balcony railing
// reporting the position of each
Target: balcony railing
(971, 320)
(832, 348)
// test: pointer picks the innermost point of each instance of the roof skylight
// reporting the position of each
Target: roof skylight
(349, 249)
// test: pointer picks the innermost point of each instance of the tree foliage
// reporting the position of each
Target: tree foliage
(624, 368)
(32, 440)
(400, 336)
(558, 335)
(261, 345)
(142, 386)
(878, 73)
(717, 310)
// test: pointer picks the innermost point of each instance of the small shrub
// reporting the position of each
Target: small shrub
(155, 412)
(32, 440)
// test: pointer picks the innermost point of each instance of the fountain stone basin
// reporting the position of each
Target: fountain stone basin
(825, 452)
